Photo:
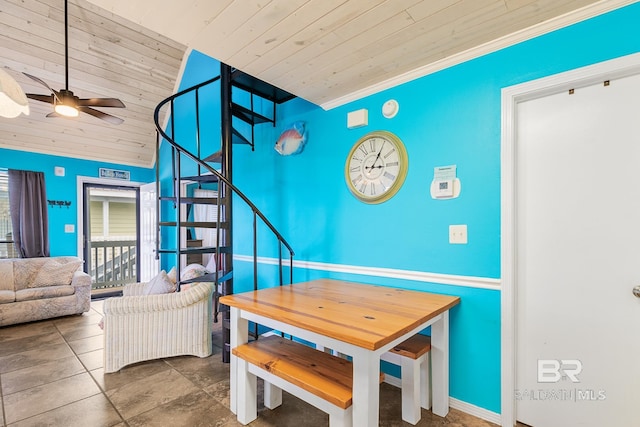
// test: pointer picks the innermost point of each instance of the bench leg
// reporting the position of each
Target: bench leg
(425, 383)
(411, 384)
(272, 395)
(341, 418)
(247, 393)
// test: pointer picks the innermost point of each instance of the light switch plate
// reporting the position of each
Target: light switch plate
(69, 228)
(458, 234)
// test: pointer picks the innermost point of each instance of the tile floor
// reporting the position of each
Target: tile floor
(51, 375)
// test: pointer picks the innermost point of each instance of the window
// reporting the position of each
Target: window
(6, 240)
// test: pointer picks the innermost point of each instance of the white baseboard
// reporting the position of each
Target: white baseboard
(465, 407)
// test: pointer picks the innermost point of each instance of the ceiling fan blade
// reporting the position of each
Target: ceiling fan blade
(42, 82)
(99, 114)
(53, 114)
(42, 98)
(101, 102)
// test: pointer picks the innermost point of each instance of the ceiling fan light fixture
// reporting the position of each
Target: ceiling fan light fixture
(13, 100)
(66, 110)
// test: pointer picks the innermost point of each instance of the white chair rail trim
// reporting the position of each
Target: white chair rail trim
(418, 276)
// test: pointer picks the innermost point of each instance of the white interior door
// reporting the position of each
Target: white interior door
(578, 257)
(149, 264)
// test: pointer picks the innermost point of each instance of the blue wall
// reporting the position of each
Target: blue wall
(449, 117)
(64, 188)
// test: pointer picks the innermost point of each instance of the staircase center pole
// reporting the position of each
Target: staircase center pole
(227, 258)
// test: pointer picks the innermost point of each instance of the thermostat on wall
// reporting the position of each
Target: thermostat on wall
(445, 185)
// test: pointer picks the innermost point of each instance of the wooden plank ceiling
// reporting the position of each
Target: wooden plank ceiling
(108, 57)
(326, 51)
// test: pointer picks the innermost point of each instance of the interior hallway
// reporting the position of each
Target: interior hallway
(51, 375)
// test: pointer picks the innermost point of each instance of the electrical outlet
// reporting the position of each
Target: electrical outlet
(458, 234)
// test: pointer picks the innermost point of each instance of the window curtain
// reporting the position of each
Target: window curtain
(29, 218)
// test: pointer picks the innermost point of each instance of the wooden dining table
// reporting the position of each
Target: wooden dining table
(359, 320)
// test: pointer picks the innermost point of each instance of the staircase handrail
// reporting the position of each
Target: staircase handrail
(220, 176)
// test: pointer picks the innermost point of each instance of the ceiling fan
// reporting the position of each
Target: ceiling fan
(64, 102)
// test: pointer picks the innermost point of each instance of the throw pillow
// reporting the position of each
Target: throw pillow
(193, 271)
(56, 271)
(159, 285)
(172, 275)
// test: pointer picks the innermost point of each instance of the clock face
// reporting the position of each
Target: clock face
(376, 167)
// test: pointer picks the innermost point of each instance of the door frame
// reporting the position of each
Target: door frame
(511, 97)
(80, 182)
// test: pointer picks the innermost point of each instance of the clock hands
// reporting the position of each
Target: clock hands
(373, 165)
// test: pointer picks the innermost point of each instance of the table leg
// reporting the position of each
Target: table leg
(440, 365)
(366, 388)
(239, 335)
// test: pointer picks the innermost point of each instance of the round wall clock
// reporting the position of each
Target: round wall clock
(376, 167)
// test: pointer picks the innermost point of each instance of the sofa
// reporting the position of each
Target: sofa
(42, 288)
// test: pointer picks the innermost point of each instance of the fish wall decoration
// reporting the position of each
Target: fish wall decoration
(292, 140)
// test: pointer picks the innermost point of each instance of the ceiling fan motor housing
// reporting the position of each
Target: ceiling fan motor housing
(66, 103)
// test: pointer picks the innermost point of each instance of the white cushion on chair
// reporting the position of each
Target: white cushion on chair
(161, 284)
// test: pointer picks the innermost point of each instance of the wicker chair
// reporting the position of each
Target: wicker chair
(139, 327)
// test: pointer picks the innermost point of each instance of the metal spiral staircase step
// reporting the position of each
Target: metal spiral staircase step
(211, 277)
(200, 178)
(198, 250)
(238, 138)
(214, 158)
(249, 116)
(195, 200)
(194, 224)
(259, 87)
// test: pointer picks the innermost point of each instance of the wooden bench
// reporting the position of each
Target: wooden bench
(318, 378)
(412, 356)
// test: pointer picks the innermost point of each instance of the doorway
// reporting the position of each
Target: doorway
(571, 244)
(111, 236)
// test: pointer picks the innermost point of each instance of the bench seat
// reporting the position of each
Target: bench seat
(318, 378)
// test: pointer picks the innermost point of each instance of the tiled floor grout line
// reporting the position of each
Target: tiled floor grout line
(88, 372)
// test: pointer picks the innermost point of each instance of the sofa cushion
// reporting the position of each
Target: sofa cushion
(45, 271)
(6, 275)
(44, 292)
(7, 296)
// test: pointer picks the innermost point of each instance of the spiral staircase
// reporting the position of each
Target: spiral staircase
(212, 162)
